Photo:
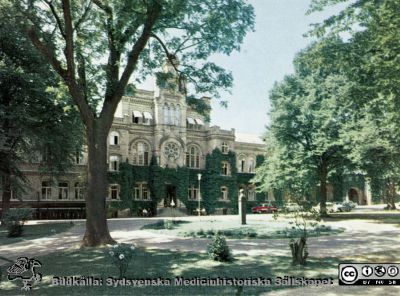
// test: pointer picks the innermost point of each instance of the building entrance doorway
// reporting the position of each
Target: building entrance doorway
(353, 195)
(170, 196)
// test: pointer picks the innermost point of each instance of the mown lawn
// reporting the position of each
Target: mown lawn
(33, 231)
(165, 264)
(207, 228)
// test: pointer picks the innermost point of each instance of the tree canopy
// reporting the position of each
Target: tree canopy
(99, 47)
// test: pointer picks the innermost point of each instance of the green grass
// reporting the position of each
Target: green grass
(168, 265)
(164, 224)
(253, 230)
(33, 231)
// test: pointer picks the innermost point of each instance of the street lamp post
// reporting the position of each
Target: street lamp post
(199, 196)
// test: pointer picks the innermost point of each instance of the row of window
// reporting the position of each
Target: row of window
(63, 192)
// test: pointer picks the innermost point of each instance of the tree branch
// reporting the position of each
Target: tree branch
(54, 62)
(83, 17)
(69, 39)
(56, 16)
(110, 105)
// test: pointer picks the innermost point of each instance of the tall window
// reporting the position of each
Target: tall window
(225, 168)
(113, 191)
(166, 112)
(224, 147)
(140, 153)
(224, 193)
(171, 115)
(193, 157)
(63, 190)
(242, 164)
(46, 190)
(79, 191)
(79, 157)
(114, 163)
(251, 194)
(251, 165)
(177, 115)
(193, 193)
(141, 191)
(114, 138)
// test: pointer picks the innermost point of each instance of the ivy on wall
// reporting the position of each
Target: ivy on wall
(182, 178)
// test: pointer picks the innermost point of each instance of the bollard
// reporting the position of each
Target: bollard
(242, 207)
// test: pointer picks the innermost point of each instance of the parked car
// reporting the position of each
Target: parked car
(265, 208)
(352, 204)
(343, 206)
(292, 207)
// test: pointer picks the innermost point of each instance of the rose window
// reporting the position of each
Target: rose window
(171, 150)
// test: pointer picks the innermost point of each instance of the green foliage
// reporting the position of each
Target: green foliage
(219, 250)
(14, 219)
(120, 255)
(183, 177)
(35, 117)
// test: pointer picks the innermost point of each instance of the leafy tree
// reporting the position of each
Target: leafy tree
(304, 138)
(96, 45)
(33, 116)
(371, 62)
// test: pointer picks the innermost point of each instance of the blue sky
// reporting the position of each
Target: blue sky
(266, 56)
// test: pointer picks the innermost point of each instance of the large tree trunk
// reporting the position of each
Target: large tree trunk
(6, 195)
(97, 232)
(391, 194)
(323, 193)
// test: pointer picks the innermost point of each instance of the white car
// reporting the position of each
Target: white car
(330, 207)
(293, 207)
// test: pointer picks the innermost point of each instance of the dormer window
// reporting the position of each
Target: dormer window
(224, 147)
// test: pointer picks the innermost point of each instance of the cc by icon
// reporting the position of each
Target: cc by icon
(349, 274)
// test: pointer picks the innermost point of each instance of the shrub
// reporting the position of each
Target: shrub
(14, 219)
(168, 224)
(200, 233)
(121, 255)
(219, 250)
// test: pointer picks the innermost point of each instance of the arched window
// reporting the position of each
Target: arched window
(171, 115)
(113, 191)
(242, 164)
(224, 147)
(140, 153)
(79, 191)
(193, 157)
(114, 163)
(251, 165)
(251, 193)
(114, 138)
(178, 115)
(224, 193)
(166, 113)
(225, 168)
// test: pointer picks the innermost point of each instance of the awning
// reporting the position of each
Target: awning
(191, 120)
(147, 115)
(137, 114)
(199, 121)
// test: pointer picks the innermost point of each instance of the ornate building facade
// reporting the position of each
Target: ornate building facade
(161, 153)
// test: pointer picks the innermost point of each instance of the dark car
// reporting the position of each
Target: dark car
(264, 208)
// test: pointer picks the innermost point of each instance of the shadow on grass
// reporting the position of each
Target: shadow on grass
(33, 232)
(149, 264)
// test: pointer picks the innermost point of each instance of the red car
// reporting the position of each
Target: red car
(264, 208)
